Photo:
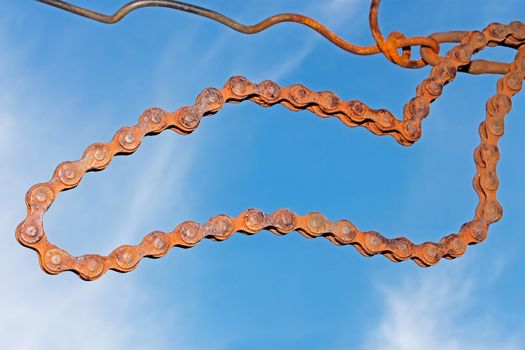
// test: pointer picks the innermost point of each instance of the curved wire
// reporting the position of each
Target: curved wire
(218, 17)
(429, 45)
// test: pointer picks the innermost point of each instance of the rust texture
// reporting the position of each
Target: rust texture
(405, 131)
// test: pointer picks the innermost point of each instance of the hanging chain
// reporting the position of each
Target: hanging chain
(405, 131)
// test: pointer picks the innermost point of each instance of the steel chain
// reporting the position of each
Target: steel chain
(353, 113)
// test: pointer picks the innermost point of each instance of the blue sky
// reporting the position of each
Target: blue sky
(67, 82)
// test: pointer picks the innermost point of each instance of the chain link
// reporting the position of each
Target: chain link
(353, 113)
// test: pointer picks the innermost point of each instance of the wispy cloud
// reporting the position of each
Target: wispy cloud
(439, 310)
(147, 200)
(331, 13)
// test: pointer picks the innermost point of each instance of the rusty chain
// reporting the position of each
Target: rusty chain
(352, 113)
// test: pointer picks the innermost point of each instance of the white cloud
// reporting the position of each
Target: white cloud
(338, 11)
(147, 193)
(332, 14)
(439, 309)
(290, 63)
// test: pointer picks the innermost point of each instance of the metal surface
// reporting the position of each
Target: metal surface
(405, 131)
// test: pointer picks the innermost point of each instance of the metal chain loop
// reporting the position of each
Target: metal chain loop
(352, 113)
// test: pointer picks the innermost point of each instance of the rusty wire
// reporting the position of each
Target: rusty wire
(405, 131)
(429, 45)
